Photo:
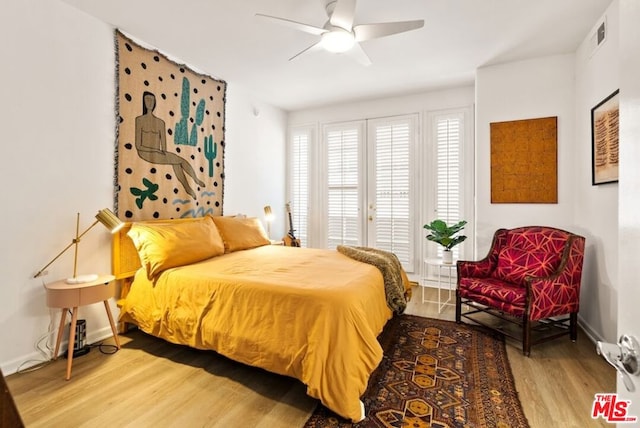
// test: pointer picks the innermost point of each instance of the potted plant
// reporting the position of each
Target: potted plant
(446, 236)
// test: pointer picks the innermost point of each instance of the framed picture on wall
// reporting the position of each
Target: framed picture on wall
(604, 140)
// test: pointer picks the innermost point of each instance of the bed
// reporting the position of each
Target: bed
(216, 283)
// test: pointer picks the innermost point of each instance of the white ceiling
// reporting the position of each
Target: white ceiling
(225, 39)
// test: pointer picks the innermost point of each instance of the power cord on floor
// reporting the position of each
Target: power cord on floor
(105, 348)
(47, 352)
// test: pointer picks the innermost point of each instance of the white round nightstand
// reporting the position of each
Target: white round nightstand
(61, 294)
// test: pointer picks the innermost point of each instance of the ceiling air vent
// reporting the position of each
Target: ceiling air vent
(598, 37)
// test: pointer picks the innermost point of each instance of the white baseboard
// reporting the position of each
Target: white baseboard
(34, 358)
(590, 332)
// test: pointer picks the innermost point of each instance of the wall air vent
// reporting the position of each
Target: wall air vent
(598, 36)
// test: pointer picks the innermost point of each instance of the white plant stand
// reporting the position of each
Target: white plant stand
(446, 273)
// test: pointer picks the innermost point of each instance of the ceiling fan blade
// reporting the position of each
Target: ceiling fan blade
(314, 47)
(294, 24)
(343, 14)
(357, 53)
(373, 31)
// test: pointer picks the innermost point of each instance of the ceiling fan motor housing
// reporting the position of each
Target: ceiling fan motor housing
(337, 39)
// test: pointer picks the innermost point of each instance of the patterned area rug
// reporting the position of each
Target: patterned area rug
(436, 374)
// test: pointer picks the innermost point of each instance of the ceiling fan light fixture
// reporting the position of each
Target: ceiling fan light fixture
(338, 40)
(339, 35)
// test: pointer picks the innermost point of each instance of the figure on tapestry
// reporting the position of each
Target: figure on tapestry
(151, 144)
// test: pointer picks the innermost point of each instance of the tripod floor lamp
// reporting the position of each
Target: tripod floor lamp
(104, 216)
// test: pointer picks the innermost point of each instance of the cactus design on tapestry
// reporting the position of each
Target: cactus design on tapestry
(182, 133)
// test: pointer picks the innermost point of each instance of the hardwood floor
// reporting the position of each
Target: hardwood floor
(9, 416)
(152, 383)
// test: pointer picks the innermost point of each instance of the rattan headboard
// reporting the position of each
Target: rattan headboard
(124, 256)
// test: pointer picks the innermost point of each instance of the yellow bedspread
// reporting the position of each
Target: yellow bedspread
(307, 313)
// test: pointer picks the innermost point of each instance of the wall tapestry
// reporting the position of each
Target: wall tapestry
(524, 161)
(170, 137)
(604, 140)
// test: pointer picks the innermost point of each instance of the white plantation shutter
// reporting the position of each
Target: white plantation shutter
(300, 145)
(449, 190)
(391, 189)
(343, 184)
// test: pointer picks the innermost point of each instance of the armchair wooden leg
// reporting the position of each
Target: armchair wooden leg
(573, 326)
(458, 307)
(526, 336)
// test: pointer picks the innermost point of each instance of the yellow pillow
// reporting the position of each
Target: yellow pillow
(166, 245)
(241, 233)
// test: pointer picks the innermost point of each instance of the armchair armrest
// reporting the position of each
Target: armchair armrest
(476, 269)
(558, 293)
(483, 268)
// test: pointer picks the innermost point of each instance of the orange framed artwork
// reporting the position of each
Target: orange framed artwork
(524, 161)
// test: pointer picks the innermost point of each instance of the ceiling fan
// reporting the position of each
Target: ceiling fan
(340, 35)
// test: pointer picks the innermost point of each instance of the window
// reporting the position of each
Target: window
(343, 185)
(299, 184)
(448, 148)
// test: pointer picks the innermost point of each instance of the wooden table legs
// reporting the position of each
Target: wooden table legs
(113, 325)
(63, 316)
(72, 333)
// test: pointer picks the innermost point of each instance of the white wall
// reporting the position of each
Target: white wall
(596, 214)
(535, 88)
(254, 175)
(58, 145)
(367, 109)
(58, 106)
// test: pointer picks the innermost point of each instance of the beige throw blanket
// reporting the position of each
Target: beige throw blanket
(391, 270)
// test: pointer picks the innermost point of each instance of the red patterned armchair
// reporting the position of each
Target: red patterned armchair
(531, 278)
